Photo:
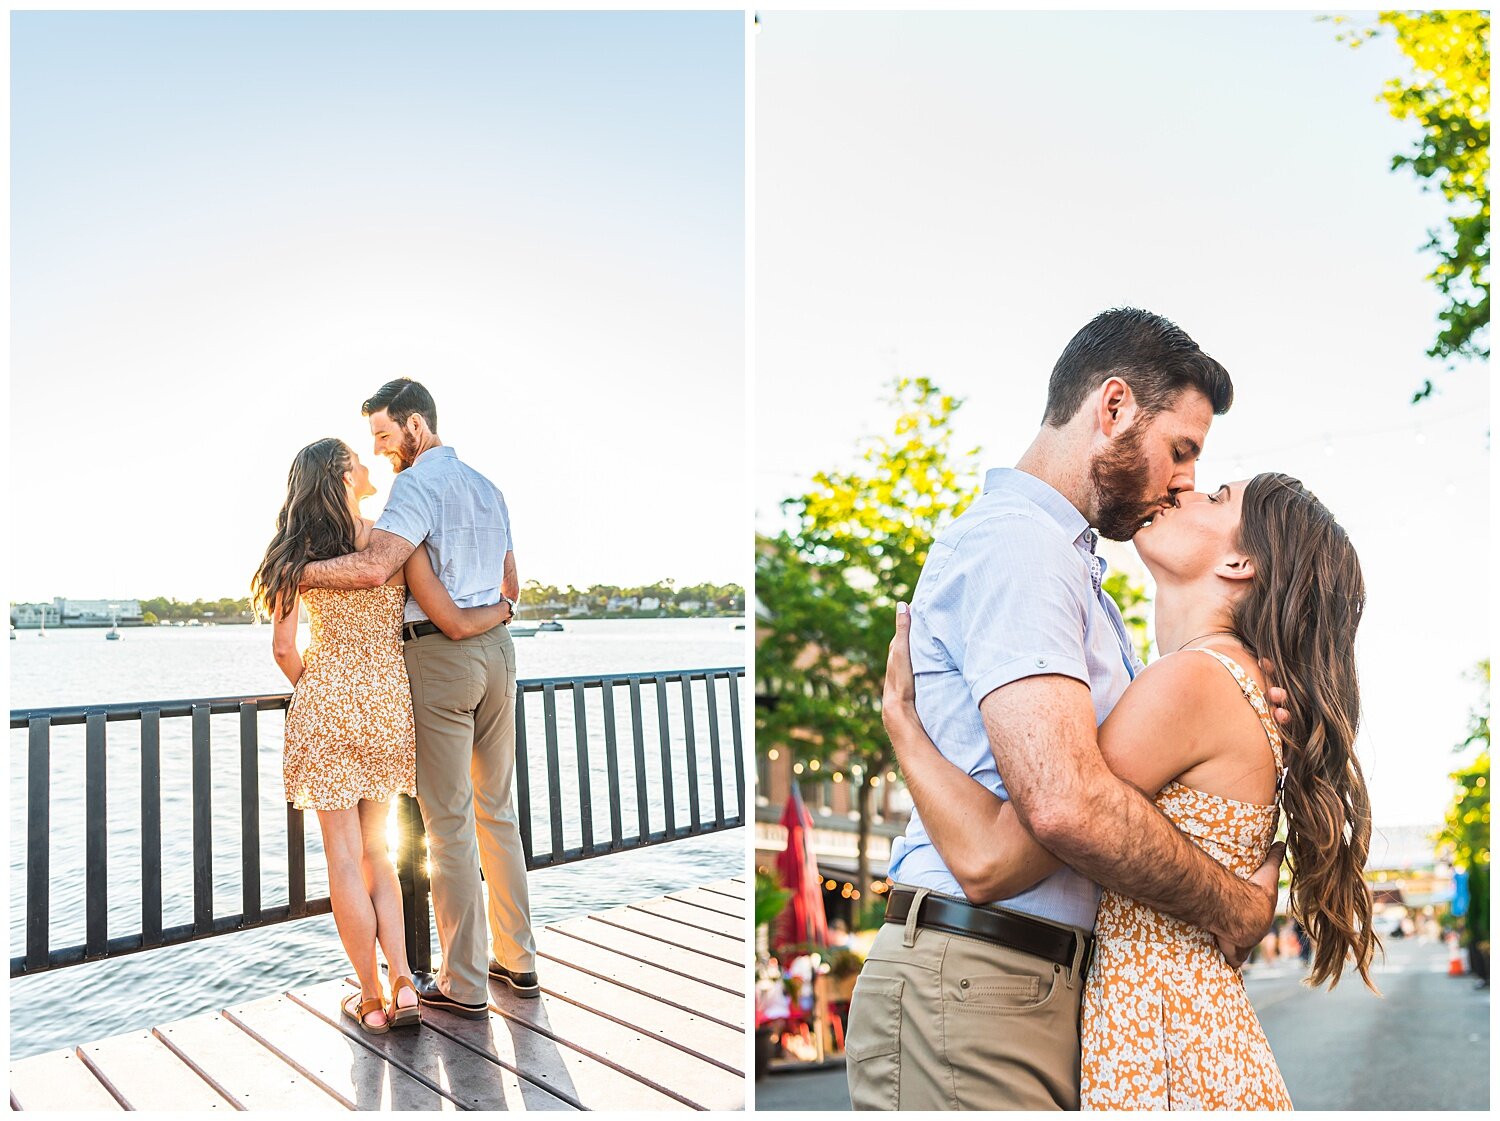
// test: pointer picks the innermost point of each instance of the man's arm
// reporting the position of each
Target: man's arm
(510, 583)
(371, 567)
(1041, 730)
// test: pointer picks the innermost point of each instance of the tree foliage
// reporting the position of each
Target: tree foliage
(830, 582)
(1467, 823)
(1447, 95)
(1466, 826)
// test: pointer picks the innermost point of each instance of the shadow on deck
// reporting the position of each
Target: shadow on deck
(643, 1007)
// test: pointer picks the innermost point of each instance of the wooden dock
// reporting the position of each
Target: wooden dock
(643, 1008)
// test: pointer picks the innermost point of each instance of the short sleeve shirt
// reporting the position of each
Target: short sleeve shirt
(1012, 589)
(462, 519)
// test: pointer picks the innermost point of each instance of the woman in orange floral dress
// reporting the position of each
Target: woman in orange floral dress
(350, 743)
(1255, 570)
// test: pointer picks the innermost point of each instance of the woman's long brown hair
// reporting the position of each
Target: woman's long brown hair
(315, 523)
(1301, 612)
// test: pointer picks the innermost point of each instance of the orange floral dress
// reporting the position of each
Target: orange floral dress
(1166, 1021)
(349, 731)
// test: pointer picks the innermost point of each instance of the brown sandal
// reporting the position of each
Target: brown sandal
(409, 1017)
(366, 1008)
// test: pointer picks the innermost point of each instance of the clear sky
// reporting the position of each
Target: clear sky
(228, 230)
(954, 195)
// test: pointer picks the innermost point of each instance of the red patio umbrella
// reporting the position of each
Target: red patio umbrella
(804, 919)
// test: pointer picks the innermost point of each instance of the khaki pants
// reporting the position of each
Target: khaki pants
(464, 702)
(944, 1021)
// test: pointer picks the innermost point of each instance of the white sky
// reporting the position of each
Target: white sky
(228, 230)
(955, 195)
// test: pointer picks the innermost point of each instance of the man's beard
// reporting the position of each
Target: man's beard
(406, 454)
(1120, 477)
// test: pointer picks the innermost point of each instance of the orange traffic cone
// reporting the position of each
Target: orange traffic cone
(1455, 957)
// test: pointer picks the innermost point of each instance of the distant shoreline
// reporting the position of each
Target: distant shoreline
(522, 618)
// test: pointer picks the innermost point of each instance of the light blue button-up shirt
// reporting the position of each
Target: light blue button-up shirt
(1010, 590)
(461, 516)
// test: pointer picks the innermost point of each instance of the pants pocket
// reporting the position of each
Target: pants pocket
(872, 1044)
(444, 679)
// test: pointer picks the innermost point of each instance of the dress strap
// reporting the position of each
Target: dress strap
(1257, 699)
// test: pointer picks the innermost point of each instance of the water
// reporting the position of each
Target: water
(87, 1002)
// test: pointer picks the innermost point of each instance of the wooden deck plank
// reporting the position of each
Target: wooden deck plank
(567, 1071)
(710, 901)
(57, 1080)
(674, 933)
(240, 1068)
(677, 988)
(729, 926)
(730, 976)
(337, 1061)
(435, 1059)
(691, 1032)
(699, 1082)
(735, 889)
(146, 1073)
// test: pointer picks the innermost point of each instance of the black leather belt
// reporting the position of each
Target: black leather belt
(417, 630)
(1003, 928)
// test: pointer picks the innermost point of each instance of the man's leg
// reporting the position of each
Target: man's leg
(494, 808)
(442, 687)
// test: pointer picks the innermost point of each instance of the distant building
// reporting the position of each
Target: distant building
(619, 603)
(63, 612)
(690, 604)
(650, 603)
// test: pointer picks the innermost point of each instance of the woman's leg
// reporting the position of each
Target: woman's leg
(384, 892)
(353, 912)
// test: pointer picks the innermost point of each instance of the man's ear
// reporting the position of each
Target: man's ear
(1116, 407)
(417, 425)
(1236, 567)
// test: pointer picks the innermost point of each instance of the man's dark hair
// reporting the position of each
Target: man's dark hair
(401, 398)
(1152, 355)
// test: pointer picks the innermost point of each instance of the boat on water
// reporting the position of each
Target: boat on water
(113, 634)
(12, 632)
(550, 625)
(519, 631)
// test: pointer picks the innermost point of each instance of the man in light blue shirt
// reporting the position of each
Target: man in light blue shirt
(1017, 584)
(1019, 655)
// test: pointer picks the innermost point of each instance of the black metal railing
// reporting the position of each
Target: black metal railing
(629, 708)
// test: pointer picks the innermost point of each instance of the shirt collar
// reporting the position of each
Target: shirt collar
(1051, 501)
(442, 451)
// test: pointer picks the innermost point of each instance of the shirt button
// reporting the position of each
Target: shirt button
(1041, 663)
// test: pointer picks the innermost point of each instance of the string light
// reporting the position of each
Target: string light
(838, 776)
(797, 768)
(814, 765)
(773, 755)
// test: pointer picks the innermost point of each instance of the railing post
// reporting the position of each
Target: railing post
(203, 834)
(523, 777)
(739, 745)
(664, 738)
(411, 871)
(151, 827)
(250, 811)
(711, 683)
(96, 847)
(554, 770)
(38, 840)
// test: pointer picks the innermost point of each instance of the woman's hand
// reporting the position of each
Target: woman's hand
(898, 702)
